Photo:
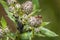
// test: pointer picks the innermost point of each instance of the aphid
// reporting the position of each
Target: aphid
(27, 7)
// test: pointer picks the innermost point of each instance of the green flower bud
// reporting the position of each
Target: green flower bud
(12, 9)
(18, 6)
(36, 30)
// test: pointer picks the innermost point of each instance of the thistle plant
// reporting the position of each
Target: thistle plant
(27, 18)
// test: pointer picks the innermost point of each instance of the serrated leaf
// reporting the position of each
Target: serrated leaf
(45, 23)
(3, 23)
(47, 32)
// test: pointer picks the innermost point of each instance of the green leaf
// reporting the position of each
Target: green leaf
(36, 3)
(5, 6)
(33, 13)
(7, 38)
(11, 35)
(45, 23)
(3, 23)
(26, 36)
(47, 32)
(39, 35)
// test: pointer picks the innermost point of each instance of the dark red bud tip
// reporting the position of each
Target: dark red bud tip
(39, 16)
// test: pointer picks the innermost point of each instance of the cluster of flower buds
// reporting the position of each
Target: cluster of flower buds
(17, 8)
(35, 20)
(14, 6)
(25, 8)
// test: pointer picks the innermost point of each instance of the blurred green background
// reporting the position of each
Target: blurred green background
(51, 12)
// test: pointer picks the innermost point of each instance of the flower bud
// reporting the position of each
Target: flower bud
(27, 7)
(17, 6)
(11, 1)
(11, 9)
(6, 30)
(36, 30)
(33, 21)
(25, 16)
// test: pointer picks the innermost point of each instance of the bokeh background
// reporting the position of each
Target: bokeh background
(51, 12)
